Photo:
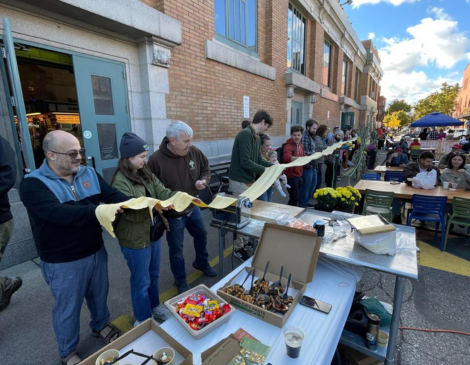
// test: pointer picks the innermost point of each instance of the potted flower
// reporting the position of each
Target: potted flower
(348, 198)
(326, 199)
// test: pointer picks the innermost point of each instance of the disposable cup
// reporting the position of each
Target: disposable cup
(454, 185)
(293, 337)
(445, 185)
(169, 352)
(108, 355)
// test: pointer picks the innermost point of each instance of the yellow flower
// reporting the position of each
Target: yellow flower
(356, 204)
(343, 199)
(353, 198)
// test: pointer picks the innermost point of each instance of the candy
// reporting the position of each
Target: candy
(199, 311)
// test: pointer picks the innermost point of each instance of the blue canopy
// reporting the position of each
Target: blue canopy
(436, 119)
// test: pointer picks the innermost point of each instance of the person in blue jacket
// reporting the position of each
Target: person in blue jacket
(61, 197)
(398, 158)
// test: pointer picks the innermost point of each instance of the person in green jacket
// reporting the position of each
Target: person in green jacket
(132, 227)
(245, 164)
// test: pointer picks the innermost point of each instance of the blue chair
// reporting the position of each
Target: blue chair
(431, 209)
(394, 175)
(371, 177)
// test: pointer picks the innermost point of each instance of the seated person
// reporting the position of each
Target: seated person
(444, 161)
(465, 139)
(466, 147)
(456, 172)
(398, 158)
(415, 145)
(423, 164)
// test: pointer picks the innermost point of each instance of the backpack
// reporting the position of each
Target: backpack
(280, 152)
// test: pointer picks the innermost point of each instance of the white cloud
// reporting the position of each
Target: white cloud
(432, 43)
(371, 35)
(358, 3)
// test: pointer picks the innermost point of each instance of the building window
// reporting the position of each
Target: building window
(236, 22)
(356, 86)
(296, 40)
(326, 64)
(344, 78)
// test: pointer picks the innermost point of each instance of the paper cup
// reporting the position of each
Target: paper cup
(159, 353)
(382, 339)
(445, 185)
(454, 185)
(108, 355)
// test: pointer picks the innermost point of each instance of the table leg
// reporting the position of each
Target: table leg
(397, 302)
(221, 252)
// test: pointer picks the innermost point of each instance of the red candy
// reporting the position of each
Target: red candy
(206, 317)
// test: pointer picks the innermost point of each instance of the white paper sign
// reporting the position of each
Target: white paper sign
(246, 106)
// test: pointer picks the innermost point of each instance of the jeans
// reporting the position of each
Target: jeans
(294, 190)
(194, 223)
(144, 264)
(6, 230)
(319, 175)
(329, 181)
(237, 188)
(267, 195)
(70, 283)
(309, 179)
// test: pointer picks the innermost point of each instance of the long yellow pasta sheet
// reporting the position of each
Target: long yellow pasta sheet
(106, 213)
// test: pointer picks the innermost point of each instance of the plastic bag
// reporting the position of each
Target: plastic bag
(425, 180)
(289, 221)
(379, 243)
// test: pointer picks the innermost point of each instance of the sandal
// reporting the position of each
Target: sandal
(108, 333)
(71, 359)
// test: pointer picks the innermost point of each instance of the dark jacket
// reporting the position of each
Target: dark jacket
(65, 227)
(132, 227)
(293, 150)
(412, 169)
(7, 178)
(246, 160)
(320, 146)
(309, 148)
(180, 173)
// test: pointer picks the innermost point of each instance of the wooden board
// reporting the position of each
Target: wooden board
(382, 169)
(267, 211)
(405, 191)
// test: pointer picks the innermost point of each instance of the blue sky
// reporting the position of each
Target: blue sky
(422, 43)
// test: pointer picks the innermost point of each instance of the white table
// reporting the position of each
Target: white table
(333, 283)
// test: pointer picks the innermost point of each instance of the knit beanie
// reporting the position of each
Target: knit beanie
(131, 145)
(339, 131)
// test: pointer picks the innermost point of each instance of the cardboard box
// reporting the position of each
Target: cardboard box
(199, 290)
(295, 249)
(134, 335)
(356, 357)
(222, 352)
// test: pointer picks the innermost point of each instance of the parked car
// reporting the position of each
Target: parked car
(457, 135)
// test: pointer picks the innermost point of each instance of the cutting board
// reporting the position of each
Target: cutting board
(267, 212)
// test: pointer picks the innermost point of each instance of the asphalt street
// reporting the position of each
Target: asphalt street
(438, 300)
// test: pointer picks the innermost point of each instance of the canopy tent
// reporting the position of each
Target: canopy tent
(436, 119)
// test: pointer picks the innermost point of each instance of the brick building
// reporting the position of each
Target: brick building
(380, 110)
(295, 59)
(462, 109)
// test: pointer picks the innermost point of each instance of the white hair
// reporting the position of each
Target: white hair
(176, 128)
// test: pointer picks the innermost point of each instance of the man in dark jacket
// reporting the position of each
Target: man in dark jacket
(61, 197)
(246, 163)
(8, 286)
(180, 166)
(292, 151)
(423, 164)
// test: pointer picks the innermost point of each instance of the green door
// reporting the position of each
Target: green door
(296, 113)
(102, 102)
(347, 120)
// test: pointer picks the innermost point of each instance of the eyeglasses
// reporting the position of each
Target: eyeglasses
(73, 154)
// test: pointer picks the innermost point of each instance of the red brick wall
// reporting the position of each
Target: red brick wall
(209, 95)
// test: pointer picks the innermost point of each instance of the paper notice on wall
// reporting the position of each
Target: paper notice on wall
(246, 106)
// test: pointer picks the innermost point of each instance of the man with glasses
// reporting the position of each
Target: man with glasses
(61, 197)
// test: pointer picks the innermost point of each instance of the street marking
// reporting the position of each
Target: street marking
(126, 322)
(434, 258)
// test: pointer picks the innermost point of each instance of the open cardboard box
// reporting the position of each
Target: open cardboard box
(295, 249)
(131, 338)
(222, 352)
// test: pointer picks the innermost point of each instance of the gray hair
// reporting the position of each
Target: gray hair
(176, 128)
(49, 143)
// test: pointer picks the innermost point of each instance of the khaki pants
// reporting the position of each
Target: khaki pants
(237, 188)
(6, 229)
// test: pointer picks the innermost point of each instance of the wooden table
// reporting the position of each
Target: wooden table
(382, 169)
(404, 191)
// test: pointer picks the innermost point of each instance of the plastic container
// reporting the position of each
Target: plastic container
(199, 290)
